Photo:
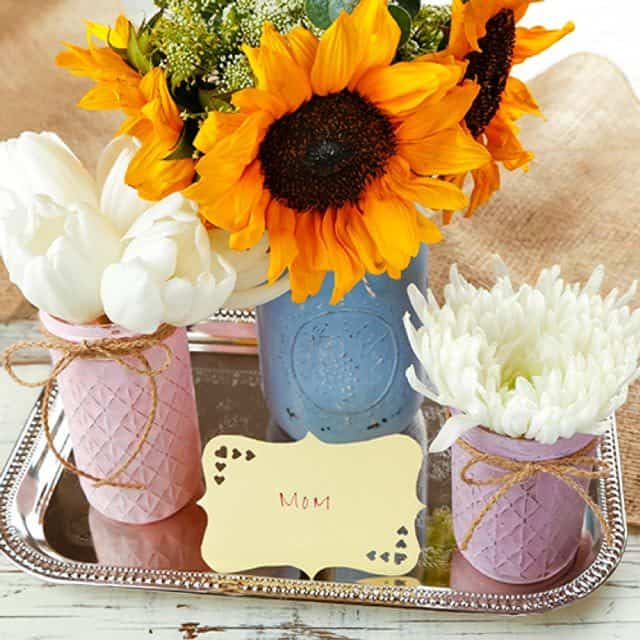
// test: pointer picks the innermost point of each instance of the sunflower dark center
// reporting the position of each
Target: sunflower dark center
(490, 68)
(327, 152)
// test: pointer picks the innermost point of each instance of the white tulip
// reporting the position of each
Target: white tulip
(54, 240)
(41, 164)
(79, 248)
(252, 288)
(539, 362)
(168, 273)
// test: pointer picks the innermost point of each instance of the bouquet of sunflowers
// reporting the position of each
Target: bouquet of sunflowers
(307, 131)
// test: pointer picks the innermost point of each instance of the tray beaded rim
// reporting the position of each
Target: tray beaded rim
(36, 562)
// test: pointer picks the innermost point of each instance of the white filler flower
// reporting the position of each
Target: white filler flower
(540, 362)
(79, 248)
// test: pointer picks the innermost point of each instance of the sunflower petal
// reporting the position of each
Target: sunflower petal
(458, 181)
(155, 178)
(378, 37)
(347, 269)
(392, 223)
(304, 282)
(118, 37)
(447, 152)
(253, 232)
(337, 58)
(403, 86)
(233, 211)
(362, 242)
(281, 224)
(228, 158)
(251, 100)
(308, 270)
(518, 100)
(218, 125)
(531, 42)
(486, 181)
(435, 116)
(428, 231)
(303, 45)
(277, 70)
(503, 143)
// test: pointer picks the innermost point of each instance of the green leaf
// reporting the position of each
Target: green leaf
(136, 52)
(211, 101)
(336, 7)
(183, 149)
(318, 12)
(402, 17)
(410, 6)
(322, 13)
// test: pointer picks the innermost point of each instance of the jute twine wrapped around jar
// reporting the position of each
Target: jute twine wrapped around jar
(129, 353)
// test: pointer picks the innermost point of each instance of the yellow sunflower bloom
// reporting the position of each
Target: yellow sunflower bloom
(159, 128)
(332, 148)
(117, 84)
(484, 33)
(151, 113)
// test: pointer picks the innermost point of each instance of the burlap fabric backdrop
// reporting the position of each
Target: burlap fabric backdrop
(575, 207)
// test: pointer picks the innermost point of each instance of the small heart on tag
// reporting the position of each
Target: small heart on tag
(219, 479)
(235, 454)
(402, 531)
(371, 555)
(221, 452)
(399, 558)
(221, 466)
(249, 456)
(385, 556)
(401, 544)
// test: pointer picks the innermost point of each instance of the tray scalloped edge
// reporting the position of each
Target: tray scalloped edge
(34, 561)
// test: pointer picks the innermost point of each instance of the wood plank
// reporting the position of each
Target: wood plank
(19, 331)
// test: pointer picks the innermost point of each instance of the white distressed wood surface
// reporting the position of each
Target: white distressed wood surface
(34, 610)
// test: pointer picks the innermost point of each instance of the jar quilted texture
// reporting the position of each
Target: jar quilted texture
(107, 407)
(533, 532)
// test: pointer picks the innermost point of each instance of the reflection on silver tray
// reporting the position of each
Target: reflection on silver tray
(47, 528)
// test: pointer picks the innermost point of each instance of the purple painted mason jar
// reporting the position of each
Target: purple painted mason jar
(533, 532)
(106, 409)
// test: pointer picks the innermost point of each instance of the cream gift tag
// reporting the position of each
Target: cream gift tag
(312, 505)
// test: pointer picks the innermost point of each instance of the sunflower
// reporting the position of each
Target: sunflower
(484, 33)
(331, 149)
(152, 116)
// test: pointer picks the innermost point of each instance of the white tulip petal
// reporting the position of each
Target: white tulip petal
(118, 201)
(178, 297)
(251, 297)
(43, 164)
(158, 254)
(132, 297)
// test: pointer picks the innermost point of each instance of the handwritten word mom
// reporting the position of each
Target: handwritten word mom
(304, 502)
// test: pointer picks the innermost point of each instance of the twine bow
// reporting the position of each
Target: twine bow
(115, 349)
(566, 469)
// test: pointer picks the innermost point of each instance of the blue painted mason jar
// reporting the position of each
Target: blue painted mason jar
(339, 371)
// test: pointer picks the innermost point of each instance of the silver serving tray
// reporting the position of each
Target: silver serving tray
(48, 530)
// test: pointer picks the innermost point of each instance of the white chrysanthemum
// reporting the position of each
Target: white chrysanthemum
(540, 362)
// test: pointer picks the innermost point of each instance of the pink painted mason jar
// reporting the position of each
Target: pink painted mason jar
(533, 532)
(106, 409)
